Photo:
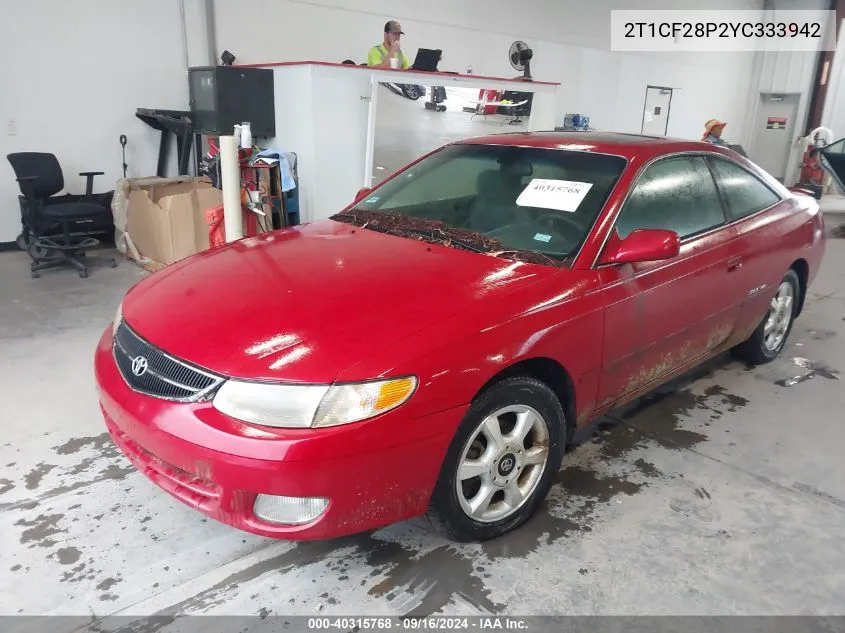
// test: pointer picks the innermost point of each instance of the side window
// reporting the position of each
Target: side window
(745, 192)
(677, 194)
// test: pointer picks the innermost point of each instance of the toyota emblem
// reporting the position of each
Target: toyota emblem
(507, 464)
(140, 365)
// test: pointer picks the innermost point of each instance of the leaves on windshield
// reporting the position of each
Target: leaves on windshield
(437, 232)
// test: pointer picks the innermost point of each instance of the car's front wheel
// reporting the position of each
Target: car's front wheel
(501, 462)
(770, 336)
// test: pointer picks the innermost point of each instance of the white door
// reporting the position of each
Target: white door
(340, 102)
(774, 132)
(656, 111)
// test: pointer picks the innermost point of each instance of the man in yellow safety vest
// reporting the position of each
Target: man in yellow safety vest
(389, 53)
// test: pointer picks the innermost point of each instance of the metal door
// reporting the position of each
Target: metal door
(656, 111)
(773, 132)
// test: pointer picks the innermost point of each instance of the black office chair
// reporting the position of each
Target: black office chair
(55, 226)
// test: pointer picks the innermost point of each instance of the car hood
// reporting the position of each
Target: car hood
(304, 304)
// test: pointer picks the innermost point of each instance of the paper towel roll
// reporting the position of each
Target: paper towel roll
(230, 178)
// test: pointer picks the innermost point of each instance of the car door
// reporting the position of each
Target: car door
(663, 315)
(833, 160)
(752, 206)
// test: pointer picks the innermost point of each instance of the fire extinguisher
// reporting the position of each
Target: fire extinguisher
(812, 173)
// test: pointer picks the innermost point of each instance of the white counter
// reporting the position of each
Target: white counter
(326, 114)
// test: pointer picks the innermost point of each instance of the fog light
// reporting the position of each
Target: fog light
(289, 510)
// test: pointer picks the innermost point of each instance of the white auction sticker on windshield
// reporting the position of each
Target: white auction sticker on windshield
(561, 195)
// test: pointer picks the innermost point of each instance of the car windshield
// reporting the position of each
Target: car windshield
(528, 203)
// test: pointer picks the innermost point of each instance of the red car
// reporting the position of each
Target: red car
(430, 349)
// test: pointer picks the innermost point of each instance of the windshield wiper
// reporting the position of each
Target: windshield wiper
(533, 257)
(397, 224)
(441, 236)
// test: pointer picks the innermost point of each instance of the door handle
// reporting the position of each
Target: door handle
(734, 263)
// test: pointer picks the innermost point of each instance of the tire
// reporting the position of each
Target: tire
(762, 347)
(411, 91)
(514, 462)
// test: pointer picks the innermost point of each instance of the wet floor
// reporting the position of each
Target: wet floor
(723, 493)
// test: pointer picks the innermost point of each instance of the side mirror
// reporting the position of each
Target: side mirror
(643, 245)
(363, 191)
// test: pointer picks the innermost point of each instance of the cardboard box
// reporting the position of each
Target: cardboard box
(166, 217)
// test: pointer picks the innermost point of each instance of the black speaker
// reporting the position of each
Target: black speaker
(223, 96)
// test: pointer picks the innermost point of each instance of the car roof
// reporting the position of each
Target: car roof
(636, 149)
(619, 143)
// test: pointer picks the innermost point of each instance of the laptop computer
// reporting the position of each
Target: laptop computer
(427, 59)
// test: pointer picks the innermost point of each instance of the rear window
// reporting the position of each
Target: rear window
(746, 193)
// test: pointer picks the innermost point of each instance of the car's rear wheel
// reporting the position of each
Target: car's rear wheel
(770, 336)
(501, 462)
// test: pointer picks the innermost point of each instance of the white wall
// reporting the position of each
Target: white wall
(96, 61)
(833, 116)
(199, 35)
(785, 71)
(72, 77)
(610, 87)
(336, 29)
(570, 41)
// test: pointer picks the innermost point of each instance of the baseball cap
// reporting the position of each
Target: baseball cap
(393, 27)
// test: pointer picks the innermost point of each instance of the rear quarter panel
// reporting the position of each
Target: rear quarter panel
(786, 235)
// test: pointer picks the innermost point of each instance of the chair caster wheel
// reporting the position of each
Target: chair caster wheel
(114, 263)
(83, 273)
(35, 275)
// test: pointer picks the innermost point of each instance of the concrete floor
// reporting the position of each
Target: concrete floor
(722, 494)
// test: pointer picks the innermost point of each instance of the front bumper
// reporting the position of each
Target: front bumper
(373, 473)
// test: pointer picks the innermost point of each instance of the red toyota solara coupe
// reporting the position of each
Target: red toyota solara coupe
(430, 349)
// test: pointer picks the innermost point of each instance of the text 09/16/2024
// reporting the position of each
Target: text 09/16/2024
(425, 623)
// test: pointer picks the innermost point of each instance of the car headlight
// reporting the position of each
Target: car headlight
(266, 404)
(310, 406)
(352, 402)
(118, 317)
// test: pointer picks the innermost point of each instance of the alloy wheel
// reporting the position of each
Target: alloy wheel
(502, 463)
(779, 316)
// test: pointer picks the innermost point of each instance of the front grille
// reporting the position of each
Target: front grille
(158, 374)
